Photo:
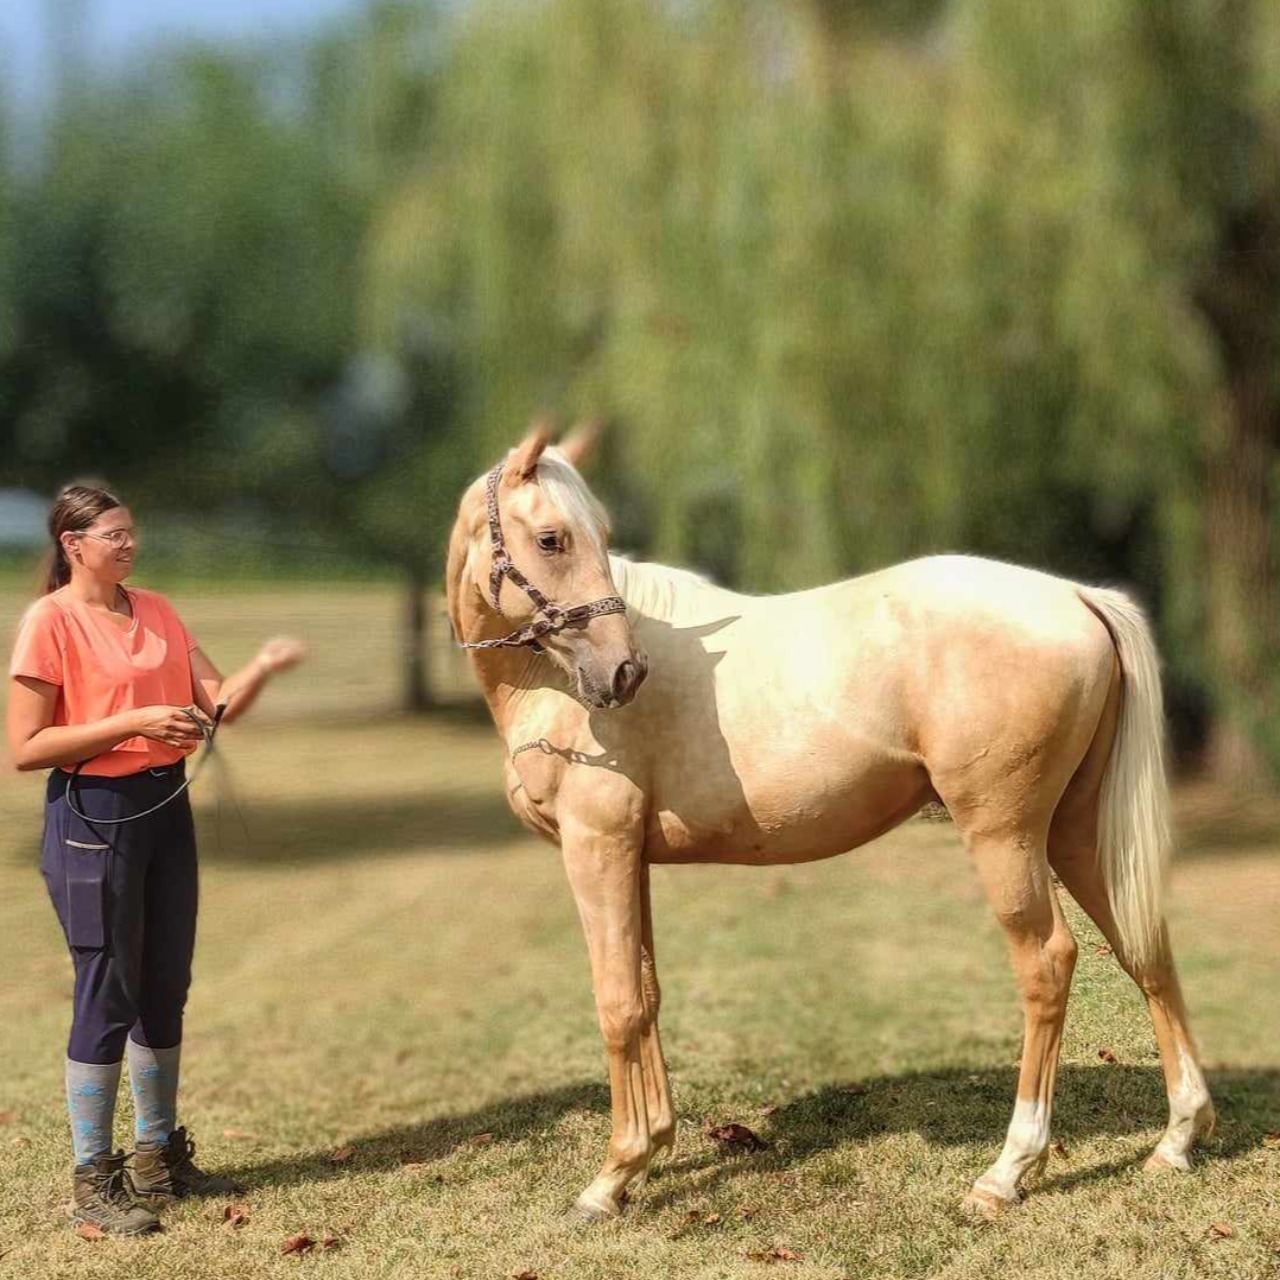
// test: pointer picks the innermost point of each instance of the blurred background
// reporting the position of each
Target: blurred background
(851, 283)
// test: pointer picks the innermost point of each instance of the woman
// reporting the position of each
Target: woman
(108, 679)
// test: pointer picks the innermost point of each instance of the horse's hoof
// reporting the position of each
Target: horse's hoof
(1159, 1161)
(984, 1204)
(595, 1209)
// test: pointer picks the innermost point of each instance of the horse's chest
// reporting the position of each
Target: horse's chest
(532, 788)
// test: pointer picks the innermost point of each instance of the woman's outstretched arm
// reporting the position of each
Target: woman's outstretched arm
(240, 689)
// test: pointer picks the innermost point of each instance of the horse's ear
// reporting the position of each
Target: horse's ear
(523, 461)
(579, 445)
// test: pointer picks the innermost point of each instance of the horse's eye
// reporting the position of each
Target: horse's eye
(550, 542)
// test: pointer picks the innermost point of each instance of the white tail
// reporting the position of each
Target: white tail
(1133, 813)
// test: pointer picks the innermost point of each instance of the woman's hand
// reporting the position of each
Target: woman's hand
(279, 654)
(173, 726)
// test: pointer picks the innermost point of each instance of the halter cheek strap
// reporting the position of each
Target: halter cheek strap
(553, 618)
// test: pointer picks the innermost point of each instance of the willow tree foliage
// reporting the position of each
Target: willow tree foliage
(859, 284)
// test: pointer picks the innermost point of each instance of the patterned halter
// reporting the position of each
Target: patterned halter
(553, 618)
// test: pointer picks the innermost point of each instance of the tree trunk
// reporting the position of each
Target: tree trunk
(1241, 585)
(417, 675)
(1243, 462)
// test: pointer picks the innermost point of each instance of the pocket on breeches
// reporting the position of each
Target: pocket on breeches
(85, 868)
(77, 866)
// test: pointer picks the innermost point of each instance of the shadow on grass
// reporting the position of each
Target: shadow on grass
(958, 1108)
(509, 1120)
(946, 1108)
(273, 831)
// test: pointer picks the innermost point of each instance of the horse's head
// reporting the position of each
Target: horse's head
(530, 546)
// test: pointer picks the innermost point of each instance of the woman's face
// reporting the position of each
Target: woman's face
(106, 547)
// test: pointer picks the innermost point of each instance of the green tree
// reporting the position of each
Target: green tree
(864, 285)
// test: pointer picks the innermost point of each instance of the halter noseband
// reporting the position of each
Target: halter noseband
(554, 618)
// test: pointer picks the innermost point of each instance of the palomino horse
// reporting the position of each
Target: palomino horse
(789, 728)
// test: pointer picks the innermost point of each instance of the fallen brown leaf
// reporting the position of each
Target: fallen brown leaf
(1221, 1230)
(343, 1155)
(330, 1241)
(693, 1215)
(1059, 1150)
(414, 1166)
(524, 1275)
(1106, 1055)
(1103, 950)
(776, 1254)
(711, 1220)
(238, 1135)
(480, 1140)
(737, 1137)
(235, 1215)
(87, 1231)
(7, 1117)
(854, 1090)
(768, 1109)
(22, 1142)
(747, 1211)
(300, 1243)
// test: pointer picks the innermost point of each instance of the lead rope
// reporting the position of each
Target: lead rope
(207, 732)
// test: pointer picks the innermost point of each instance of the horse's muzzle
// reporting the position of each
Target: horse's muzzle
(621, 686)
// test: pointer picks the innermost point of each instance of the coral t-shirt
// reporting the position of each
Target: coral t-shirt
(102, 668)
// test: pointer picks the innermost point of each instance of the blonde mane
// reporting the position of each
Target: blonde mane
(654, 590)
(559, 479)
(670, 594)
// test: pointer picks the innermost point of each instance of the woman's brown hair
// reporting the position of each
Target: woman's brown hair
(74, 509)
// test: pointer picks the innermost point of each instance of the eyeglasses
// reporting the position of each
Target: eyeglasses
(117, 538)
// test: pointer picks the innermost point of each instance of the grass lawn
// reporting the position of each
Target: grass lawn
(391, 1037)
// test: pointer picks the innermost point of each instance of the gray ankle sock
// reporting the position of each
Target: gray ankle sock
(153, 1077)
(91, 1104)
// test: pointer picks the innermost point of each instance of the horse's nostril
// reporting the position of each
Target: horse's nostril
(626, 680)
(622, 680)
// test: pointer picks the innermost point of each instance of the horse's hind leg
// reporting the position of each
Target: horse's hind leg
(1015, 874)
(1073, 854)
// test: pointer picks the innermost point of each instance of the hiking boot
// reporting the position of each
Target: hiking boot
(100, 1197)
(166, 1171)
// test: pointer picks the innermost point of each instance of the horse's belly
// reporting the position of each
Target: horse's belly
(789, 819)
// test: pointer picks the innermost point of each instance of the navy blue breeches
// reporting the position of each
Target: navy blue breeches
(126, 897)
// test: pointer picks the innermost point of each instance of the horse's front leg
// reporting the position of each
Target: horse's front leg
(662, 1118)
(604, 872)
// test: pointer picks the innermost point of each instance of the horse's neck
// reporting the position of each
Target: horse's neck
(520, 688)
(665, 593)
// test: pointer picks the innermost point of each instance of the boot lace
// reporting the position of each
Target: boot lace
(114, 1187)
